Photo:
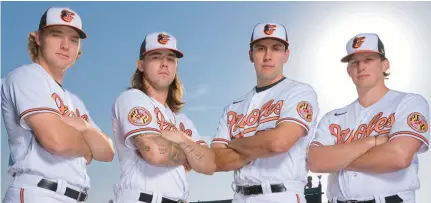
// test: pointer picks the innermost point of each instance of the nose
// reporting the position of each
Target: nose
(65, 43)
(268, 55)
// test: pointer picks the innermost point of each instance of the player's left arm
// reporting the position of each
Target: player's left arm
(409, 136)
(297, 116)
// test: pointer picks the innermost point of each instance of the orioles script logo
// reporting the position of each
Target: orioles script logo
(380, 125)
(161, 121)
(64, 110)
(270, 111)
(183, 129)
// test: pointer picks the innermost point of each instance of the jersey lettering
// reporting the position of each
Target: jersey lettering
(270, 111)
(380, 125)
(64, 109)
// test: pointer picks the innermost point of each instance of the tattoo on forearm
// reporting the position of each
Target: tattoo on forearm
(170, 149)
(188, 149)
(141, 143)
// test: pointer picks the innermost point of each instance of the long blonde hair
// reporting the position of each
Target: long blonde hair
(175, 94)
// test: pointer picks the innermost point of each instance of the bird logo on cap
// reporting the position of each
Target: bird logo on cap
(162, 38)
(357, 42)
(269, 29)
(67, 16)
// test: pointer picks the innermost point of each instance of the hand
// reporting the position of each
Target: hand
(89, 158)
(77, 122)
(382, 139)
(175, 136)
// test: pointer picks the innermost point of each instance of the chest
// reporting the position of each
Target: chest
(355, 124)
(67, 106)
(253, 115)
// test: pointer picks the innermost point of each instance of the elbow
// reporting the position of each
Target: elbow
(151, 158)
(313, 163)
(106, 156)
(210, 169)
(403, 162)
(278, 147)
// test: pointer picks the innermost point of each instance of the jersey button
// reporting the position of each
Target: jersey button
(355, 174)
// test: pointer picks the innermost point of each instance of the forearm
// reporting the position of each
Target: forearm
(385, 158)
(71, 144)
(227, 159)
(200, 158)
(329, 159)
(161, 152)
(100, 145)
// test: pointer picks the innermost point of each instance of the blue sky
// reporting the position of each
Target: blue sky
(214, 37)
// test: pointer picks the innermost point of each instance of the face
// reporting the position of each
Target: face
(160, 68)
(269, 56)
(59, 46)
(366, 69)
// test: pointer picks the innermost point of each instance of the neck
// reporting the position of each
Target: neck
(369, 96)
(263, 83)
(56, 73)
(159, 95)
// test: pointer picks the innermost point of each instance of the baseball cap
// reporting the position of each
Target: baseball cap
(269, 30)
(362, 43)
(160, 40)
(62, 16)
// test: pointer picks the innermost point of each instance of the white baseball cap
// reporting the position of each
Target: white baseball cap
(269, 30)
(364, 42)
(160, 40)
(62, 16)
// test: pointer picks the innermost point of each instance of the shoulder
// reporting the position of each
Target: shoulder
(293, 86)
(132, 94)
(24, 74)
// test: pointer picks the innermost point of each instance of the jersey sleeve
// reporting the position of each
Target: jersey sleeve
(300, 107)
(222, 134)
(411, 120)
(322, 133)
(135, 114)
(29, 93)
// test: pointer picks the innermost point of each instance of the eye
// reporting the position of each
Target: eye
(75, 41)
(155, 57)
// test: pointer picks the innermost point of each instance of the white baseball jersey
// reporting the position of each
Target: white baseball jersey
(262, 109)
(136, 113)
(396, 114)
(30, 89)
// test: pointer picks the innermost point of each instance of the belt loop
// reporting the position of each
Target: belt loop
(61, 187)
(157, 198)
(266, 187)
(334, 200)
(379, 199)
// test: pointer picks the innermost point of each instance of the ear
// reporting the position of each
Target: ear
(250, 55)
(286, 56)
(139, 65)
(36, 36)
(386, 65)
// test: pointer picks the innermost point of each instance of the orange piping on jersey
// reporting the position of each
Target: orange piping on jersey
(220, 140)
(410, 133)
(316, 143)
(294, 119)
(298, 199)
(37, 109)
(141, 130)
(379, 124)
(21, 195)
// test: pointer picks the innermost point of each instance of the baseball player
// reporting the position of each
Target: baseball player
(156, 144)
(370, 146)
(51, 135)
(264, 134)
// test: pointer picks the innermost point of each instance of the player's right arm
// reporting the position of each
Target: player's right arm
(37, 111)
(226, 159)
(326, 155)
(135, 114)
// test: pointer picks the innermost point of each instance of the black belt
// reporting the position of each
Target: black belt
(257, 189)
(144, 197)
(389, 199)
(50, 185)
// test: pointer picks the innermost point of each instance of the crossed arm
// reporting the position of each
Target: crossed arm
(173, 148)
(71, 137)
(268, 143)
(370, 155)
